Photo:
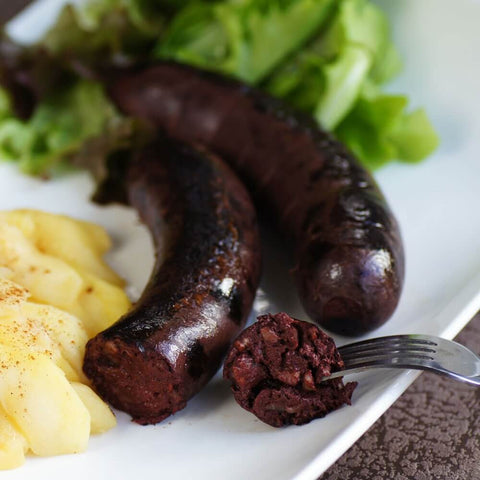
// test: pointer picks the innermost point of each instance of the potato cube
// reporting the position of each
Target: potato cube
(12, 444)
(101, 416)
(78, 243)
(38, 398)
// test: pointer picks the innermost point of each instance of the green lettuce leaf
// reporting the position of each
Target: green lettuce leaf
(61, 126)
(329, 58)
(380, 129)
(354, 48)
(98, 30)
(244, 38)
(338, 77)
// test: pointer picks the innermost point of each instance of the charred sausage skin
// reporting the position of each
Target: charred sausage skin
(201, 289)
(349, 254)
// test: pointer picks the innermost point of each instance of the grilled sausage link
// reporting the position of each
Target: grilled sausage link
(201, 290)
(349, 255)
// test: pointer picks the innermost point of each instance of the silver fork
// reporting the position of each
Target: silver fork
(419, 352)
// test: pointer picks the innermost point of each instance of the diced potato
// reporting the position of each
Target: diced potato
(13, 445)
(101, 417)
(97, 235)
(5, 272)
(80, 244)
(12, 295)
(48, 279)
(41, 329)
(54, 282)
(55, 292)
(66, 332)
(15, 329)
(103, 304)
(38, 398)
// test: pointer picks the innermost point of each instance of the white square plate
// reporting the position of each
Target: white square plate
(438, 206)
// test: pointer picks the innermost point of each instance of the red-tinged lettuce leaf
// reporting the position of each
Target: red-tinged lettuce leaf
(71, 126)
(106, 30)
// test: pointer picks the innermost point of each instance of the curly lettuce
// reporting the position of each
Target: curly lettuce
(338, 78)
(329, 58)
(246, 39)
(98, 31)
(61, 126)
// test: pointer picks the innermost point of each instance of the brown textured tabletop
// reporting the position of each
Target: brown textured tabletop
(431, 432)
(8, 8)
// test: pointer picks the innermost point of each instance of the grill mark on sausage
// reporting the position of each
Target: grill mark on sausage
(162, 352)
(290, 166)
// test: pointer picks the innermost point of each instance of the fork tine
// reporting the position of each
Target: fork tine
(406, 352)
(411, 339)
(388, 359)
(421, 352)
(395, 342)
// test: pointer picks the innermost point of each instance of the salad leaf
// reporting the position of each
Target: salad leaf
(338, 77)
(343, 80)
(196, 36)
(414, 137)
(243, 38)
(60, 128)
(330, 58)
(379, 129)
(355, 47)
(95, 30)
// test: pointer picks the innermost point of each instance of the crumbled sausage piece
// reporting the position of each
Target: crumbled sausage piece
(275, 368)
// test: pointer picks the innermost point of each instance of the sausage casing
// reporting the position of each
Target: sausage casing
(349, 254)
(201, 289)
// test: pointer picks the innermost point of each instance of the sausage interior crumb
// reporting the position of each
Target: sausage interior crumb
(275, 368)
(140, 383)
